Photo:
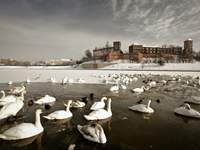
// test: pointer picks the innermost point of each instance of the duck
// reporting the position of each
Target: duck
(99, 105)
(12, 108)
(186, 110)
(10, 98)
(60, 114)
(77, 104)
(24, 130)
(114, 88)
(93, 132)
(45, 100)
(100, 114)
(142, 108)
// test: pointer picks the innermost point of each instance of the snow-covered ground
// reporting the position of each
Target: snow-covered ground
(152, 66)
(90, 76)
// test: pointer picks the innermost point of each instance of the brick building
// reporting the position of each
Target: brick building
(109, 53)
(138, 53)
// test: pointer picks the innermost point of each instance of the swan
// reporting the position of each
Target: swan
(60, 114)
(195, 100)
(18, 90)
(10, 83)
(12, 108)
(53, 80)
(93, 132)
(80, 80)
(139, 90)
(123, 87)
(24, 130)
(64, 80)
(100, 113)
(70, 81)
(77, 104)
(46, 99)
(152, 84)
(71, 147)
(114, 88)
(28, 80)
(186, 110)
(99, 105)
(142, 108)
(10, 98)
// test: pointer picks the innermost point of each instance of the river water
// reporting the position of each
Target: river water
(126, 130)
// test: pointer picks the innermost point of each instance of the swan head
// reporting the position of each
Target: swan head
(39, 111)
(187, 106)
(104, 98)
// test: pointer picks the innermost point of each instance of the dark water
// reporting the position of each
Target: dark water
(126, 130)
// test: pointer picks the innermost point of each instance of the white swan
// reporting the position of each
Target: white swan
(152, 84)
(53, 80)
(18, 90)
(10, 83)
(10, 98)
(24, 130)
(114, 88)
(45, 100)
(70, 80)
(77, 104)
(11, 109)
(100, 113)
(93, 132)
(60, 114)
(186, 110)
(138, 90)
(80, 80)
(99, 105)
(64, 80)
(28, 80)
(195, 100)
(142, 108)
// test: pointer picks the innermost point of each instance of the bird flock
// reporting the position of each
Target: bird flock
(12, 102)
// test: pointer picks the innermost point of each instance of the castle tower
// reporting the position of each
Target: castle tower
(188, 50)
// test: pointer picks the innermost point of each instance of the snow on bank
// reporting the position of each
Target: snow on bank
(90, 76)
(152, 66)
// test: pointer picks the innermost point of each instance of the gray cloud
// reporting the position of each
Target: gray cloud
(45, 29)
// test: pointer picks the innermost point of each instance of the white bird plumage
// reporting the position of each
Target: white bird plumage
(60, 114)
(46, 99)
(24, 130)
(186, 110)
(100, 113)
(142, 108)
(114, 88)
(99, 105)
(77, 104)
(93, 132)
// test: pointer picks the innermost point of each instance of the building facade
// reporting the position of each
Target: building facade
(108, 53)
(139, 53)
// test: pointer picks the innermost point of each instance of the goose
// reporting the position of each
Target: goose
(114, 88)
(24, 130)
(186, 110)
(12, 108)
(77, 104)
(100, 113)
(99, 105)
(142, 108)
(10, 98)
(45, 100)
(60, 114)
(18, 90)
(139, 90)
(93, 132)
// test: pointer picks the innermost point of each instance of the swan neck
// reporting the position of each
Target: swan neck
(68, 106)
(109, 106)
(37, 121)
(148, 105)
(3, 94)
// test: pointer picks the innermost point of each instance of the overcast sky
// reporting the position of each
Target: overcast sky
(46, 29)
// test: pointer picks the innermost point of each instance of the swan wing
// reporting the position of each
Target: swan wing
(98, 115)
(60, 114)
(187, 112)
(11, 109)
(21, 131)
(141, 108)
(97, 105)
